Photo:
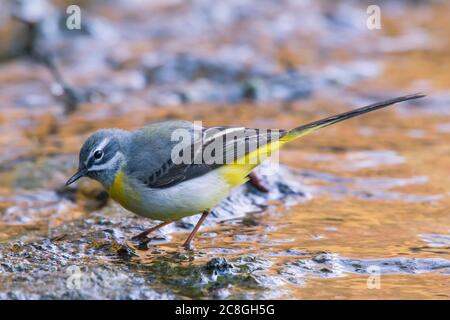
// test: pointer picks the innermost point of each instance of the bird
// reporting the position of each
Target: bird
(161, 172)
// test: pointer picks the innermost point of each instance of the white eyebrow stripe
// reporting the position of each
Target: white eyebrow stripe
(108, 165)
(103, 143)
(100, 146)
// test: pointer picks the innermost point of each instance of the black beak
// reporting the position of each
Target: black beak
(81, 173)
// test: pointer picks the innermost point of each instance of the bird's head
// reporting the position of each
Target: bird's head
(102, 156)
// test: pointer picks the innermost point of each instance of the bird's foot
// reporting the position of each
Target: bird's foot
(187, 243)
(141, 237)
(257, 183)
(187, 246)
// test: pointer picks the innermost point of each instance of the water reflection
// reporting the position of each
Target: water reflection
(370, 192)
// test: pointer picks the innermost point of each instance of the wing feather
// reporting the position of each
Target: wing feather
(217, 147)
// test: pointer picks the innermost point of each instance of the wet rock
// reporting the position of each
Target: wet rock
(217, 277)
(123, 251)
(251, 263)
(70, 269)
(209, 80)
(90, 258)
(219, 266)
(326, 265)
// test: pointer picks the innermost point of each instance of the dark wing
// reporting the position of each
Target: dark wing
(218, 146)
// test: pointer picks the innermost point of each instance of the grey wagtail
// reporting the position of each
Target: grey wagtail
(142, 169)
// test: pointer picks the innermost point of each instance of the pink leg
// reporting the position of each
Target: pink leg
(254, 180)
(143, 235)
(187, 243)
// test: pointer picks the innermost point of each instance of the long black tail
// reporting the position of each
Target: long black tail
(316, 125)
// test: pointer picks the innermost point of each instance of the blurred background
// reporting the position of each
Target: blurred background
(375, 189)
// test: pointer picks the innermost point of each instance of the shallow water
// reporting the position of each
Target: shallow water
(368, 219)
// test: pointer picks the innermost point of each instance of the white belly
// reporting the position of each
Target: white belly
(184, 199)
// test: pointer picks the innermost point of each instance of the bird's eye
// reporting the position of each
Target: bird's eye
(98, 154)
